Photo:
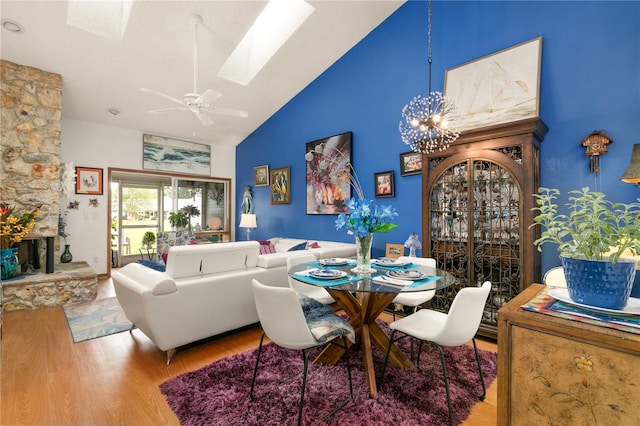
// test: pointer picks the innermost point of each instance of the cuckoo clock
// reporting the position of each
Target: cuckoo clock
(595, 145)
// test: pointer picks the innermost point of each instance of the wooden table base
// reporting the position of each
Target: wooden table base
(362, 312)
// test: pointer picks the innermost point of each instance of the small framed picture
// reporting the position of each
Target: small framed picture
(261, 176)
(410, 163)
(384, 184)
(281, 186)
(88, 181)
(394, 251)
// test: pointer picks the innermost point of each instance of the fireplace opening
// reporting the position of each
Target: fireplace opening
(33, 253)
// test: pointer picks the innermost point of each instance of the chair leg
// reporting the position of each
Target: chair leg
(446, 381)
(344, 345)
(255, 370)
(484, 389)
(386, 360)
(305, 357)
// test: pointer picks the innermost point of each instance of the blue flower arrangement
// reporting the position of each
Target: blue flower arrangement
(364, 219)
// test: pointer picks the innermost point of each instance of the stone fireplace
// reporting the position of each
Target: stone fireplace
(30, 177)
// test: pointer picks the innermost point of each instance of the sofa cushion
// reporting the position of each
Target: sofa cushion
(301, 246)
(203, 259)
(314, 245)
(275, 260)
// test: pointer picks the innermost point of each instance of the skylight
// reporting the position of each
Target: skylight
(273, 27)
(107, 19)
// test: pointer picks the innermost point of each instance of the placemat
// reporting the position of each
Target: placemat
(545, 304)
(326, 283)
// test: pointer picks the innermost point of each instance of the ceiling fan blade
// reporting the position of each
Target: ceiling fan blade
(158, 111)
(204, 118)
(209, 96)
(228, 111)
(153, 92)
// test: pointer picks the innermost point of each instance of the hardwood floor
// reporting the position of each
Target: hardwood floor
(49, 380)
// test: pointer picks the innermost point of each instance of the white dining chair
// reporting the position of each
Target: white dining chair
(415, 298)
(289, 324)
(555, 277)
(454, 328)
(317, 293)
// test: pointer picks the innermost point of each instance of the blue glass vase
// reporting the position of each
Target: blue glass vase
(9, 264)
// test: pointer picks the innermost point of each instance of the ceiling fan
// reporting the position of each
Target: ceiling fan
(198, 104)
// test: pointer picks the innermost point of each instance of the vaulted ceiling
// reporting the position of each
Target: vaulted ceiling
(156, 52)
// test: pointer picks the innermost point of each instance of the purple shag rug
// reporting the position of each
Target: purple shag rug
(218, 394)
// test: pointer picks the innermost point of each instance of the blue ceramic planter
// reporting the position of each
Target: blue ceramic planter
(599, 283)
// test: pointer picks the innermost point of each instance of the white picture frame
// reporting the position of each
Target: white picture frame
(499, 88)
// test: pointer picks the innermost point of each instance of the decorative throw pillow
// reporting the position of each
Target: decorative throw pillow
(301, 246)
(164, 257)
(323, 323)
(314, 245)
(266, 247)
(153, 265)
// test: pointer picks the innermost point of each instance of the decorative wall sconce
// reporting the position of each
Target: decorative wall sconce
(632, 174)
(596, 145)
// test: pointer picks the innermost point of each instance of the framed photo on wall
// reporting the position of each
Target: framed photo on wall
(261, 176)
(410, 163)
(281, 185)
(88, 181)
(383, 182)
(328, 171)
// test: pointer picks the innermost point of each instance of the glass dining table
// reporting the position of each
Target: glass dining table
(363, 297)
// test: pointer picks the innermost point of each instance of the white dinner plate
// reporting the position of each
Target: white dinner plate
(333, 261)
(327, 274)
(407, 275)
(632, 308)
(384, 261)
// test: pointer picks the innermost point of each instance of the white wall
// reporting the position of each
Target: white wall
(89, 144)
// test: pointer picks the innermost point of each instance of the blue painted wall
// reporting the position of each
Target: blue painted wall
(590, 80)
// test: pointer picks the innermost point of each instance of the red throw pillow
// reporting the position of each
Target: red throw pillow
(266, 247)
(314, 245)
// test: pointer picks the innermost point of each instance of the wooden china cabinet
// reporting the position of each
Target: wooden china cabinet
(476, 203)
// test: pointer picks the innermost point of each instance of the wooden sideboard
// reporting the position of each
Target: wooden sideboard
(558, 371)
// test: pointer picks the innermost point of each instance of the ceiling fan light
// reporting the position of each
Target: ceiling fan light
(278, 21)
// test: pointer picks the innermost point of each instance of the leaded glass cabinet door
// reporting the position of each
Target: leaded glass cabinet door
(477, 200)
(475, 231)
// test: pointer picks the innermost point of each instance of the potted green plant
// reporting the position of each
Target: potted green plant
(190, 211)
(178, 220)
(148, 239)
(591, 238)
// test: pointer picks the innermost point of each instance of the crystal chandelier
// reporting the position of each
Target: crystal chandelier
(428, 124)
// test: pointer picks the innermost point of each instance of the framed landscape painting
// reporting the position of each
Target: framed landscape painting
(281, 185)
(328, 163)
(499, 88)
(171, 155)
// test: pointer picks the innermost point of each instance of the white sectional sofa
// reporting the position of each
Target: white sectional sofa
(206, 289)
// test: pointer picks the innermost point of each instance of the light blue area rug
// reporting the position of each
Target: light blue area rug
(97, 318)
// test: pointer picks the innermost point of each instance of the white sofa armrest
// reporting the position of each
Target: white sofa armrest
(141, 279)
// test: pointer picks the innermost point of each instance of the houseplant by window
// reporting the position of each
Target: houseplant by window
(148, 239)
(178, 220)
(591, 239)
